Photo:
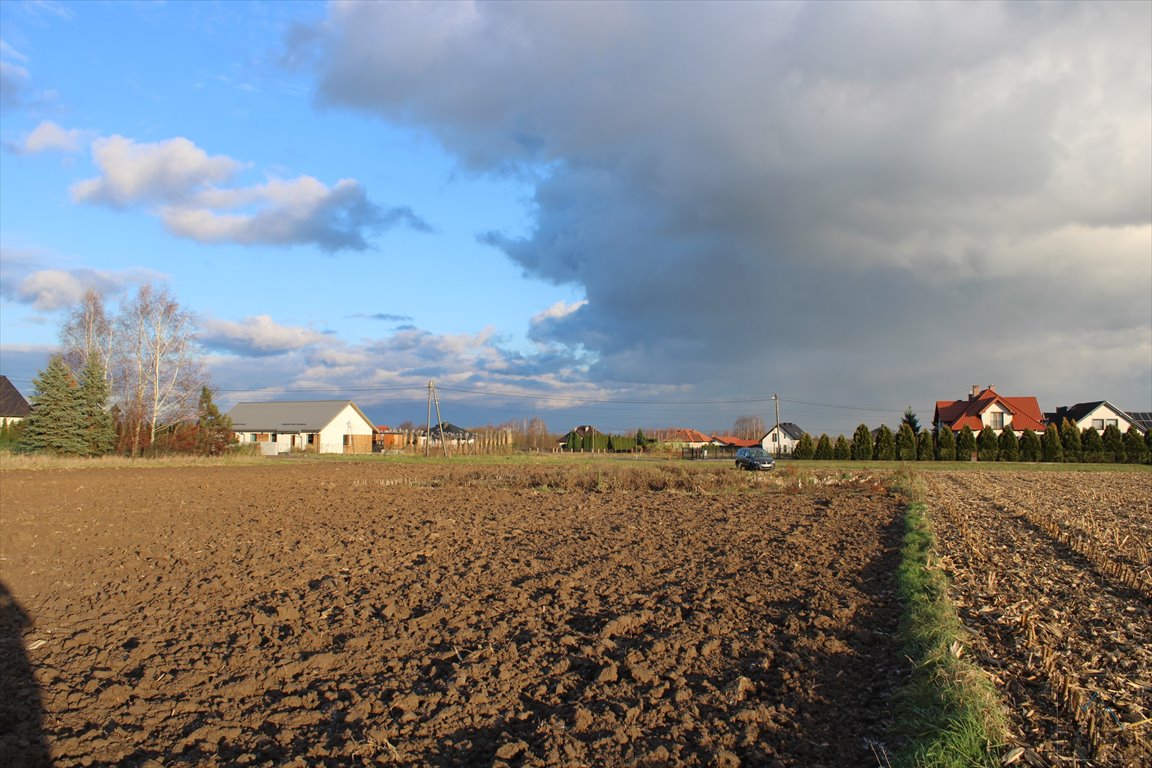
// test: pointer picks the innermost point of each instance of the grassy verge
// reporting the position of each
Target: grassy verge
(948, 714)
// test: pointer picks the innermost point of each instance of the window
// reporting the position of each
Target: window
(996, 419)
(775, 437)
(1098, 425)
(1111, 423)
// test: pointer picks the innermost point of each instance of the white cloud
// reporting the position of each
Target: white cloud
(164, 171)
(50, 136)
(187, 189)
(52, 289)
(257, 336)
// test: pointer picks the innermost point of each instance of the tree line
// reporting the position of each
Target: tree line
(910, 443)
(132, 382)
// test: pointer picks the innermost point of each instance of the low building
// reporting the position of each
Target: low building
(316, 426)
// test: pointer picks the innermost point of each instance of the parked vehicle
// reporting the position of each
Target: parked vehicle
(754, 459)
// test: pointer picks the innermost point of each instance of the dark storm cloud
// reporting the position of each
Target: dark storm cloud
(807, 197)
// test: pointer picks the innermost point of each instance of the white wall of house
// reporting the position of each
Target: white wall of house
(1101, 416)
(997, 417)
(348, 422)
(786, 443)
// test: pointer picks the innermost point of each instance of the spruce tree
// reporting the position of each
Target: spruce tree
(925, 446)
(1091, 446)
(965, 444)
(841, 451)
(56, 424)
(945, 444)
(906, 442)
(213, 429)
(1051, 447)
(1070, 439)
(1009, 445)
(862, 444)
(805, 448)
(1135, 452)
(98, 426)
(823, 448)
(1113, 444)
(1029, 446)
(987, 445)
(885, 444)
(911, 420)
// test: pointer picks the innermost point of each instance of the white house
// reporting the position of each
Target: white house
(13, 406)
(317, 426)
(782, 442)
(1098, 415)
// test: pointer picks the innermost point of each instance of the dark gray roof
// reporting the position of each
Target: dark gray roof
(12, 403)
(289, 416)
(791, 430)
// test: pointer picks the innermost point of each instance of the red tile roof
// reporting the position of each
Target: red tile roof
(957, 414)
(688, 436)
(739, 442)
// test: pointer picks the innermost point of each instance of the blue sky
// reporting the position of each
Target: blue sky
(627, 214)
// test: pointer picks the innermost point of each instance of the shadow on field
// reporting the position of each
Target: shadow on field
(22, 743)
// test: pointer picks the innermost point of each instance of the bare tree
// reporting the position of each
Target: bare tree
(749, 427)
(159, 362)
(87, 331)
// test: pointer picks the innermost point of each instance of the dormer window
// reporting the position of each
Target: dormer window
(996, 419)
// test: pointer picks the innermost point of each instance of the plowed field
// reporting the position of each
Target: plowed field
(1052, 573)
(373, 614)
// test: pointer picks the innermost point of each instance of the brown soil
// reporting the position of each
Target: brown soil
(337, 614)
(1053, 575)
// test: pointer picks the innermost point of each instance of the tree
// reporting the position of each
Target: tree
(911, 420)
(945, 444)
(97, 426)
(823, 448)
(925, 446)
(885, 444)
(804, 449)
(1070, 439)
(1009, 446)
(1029, 446)
(965, 444)
(1113, 444)
(213, 429)
(87, 332)
(640, 439)
(1051, 449)
(56, 422)
(906, 442)
(749, 428)
(862, 443)
(987, 446)
(1091, 446)
(159, 363)
(1135, 452)
(841, 451)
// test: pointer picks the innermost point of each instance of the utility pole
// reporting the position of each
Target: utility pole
(776, 399)
(428, 432)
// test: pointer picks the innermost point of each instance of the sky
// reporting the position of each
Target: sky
(630, 215)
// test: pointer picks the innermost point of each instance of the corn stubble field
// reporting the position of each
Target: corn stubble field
(370, 613)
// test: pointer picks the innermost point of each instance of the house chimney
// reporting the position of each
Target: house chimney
(975, 391)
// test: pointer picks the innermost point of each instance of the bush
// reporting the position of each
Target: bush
(945, 444)
(1029, 446)
(1009, 446)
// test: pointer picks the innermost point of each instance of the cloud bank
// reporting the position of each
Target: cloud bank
(852, 201)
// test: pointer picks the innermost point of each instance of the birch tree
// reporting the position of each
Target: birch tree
(87, 332)
(159, 363)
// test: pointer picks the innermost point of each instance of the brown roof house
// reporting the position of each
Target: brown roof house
(13, 406)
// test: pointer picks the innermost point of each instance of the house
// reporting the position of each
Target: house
(688, 438)
(388, 439)
(1097, 415)
(449, 433)
(734, 442)
(317, 426)
(782, 441)
(988, 408)
(13, 406)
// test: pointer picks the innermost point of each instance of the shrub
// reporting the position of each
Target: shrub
(1050, 446)
(1009, 446)
(842, 451)
(1070, 439)
(862, 443)
(987, 445)
(1113, 444)
(885, 444)
(965, 444)
(1029, 446)
(1091, 446)
(1135, 452)
(804, 449)
(945, 444)
(823, 449)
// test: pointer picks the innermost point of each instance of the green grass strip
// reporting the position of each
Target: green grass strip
(948, 714)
